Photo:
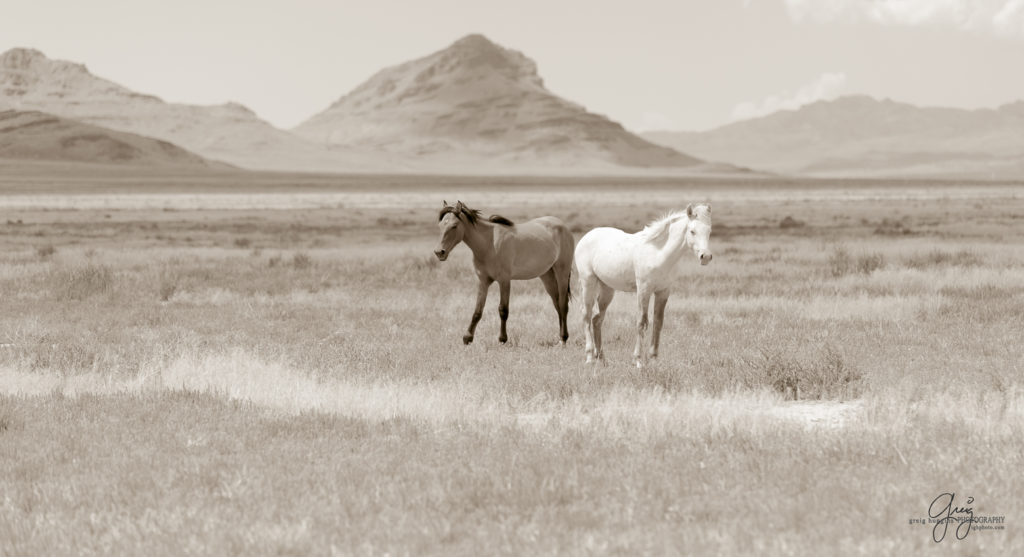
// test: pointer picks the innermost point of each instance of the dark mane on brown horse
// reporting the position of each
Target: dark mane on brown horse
(472, 215)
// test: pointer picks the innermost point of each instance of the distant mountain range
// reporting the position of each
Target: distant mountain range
(478, 108)
(229, 132)
(477, 101)
(863, 137)
(473, 107)
(36, 136)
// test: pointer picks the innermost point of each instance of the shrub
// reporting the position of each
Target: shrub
(790, 222)
(840, 263)
(302, 261)
(168, 286)
(869, 262)
(892, 227)
(939, 258)
(824, 374)
(242, 242)
(46, 251)
(83, 281)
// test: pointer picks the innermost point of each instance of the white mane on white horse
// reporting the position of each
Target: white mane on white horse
(653, 231)
(658, 227)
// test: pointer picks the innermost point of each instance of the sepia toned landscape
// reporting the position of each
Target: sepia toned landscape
(232, 321)
(272, 371)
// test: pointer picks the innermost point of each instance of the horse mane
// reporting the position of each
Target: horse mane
(659, 227)
(498, 219)
(472, 215)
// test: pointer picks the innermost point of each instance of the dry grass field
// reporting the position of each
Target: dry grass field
(222, 369)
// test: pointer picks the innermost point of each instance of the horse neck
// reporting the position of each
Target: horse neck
(480, 238)
(673, 248)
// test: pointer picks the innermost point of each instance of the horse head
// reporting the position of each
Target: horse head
(451, 224)
(698, 231)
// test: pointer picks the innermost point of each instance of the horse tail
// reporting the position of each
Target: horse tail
(572, 265)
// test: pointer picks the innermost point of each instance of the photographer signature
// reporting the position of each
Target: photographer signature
(943, 509)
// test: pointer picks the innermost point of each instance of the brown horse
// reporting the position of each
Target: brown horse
(504, 251)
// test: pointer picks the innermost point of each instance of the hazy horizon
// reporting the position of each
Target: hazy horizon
(649, 65)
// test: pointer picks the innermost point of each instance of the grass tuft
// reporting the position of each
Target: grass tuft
(842, 263)
(868, 263)
(302, 260)
(942, 258)
(46, 252)
(790, 222)
(80, 282)
(824, 374)
(892, 227)
(168, 286)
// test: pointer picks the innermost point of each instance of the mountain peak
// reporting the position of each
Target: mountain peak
(34, 61)
(471, 68)
(474, 41)
(477, 54)
(21, 58)
(478, 101)
(239, 107)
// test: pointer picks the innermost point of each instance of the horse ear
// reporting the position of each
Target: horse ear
(689, 210)
(459, 205)
(709, 207)
(444, 203)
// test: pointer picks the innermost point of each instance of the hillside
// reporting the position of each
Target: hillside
(229, 132)
(472, 108)
(478, 103)
(861, 136)
(36, 136)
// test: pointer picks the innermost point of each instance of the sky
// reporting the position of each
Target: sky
(672, 64)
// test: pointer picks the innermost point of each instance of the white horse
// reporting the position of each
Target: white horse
(609, 259)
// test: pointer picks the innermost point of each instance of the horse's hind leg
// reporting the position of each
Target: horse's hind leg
(504, 288)
(550, 281)
(660, 300)
(643, 300)
(563, 275)
(590, 285)
(604, 299)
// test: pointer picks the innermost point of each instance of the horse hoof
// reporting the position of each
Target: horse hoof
(503, 340)
(466, 339)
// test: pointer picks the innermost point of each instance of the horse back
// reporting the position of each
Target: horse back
(607, 253)
(538, 244)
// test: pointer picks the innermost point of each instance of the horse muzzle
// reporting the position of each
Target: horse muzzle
(705, 257)
(441, 254)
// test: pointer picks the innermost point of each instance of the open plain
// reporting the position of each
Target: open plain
(273, 364)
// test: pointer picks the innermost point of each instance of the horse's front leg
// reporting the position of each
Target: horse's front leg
(660, 300)
(481, 300)
(504, 287)
(643, 299)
